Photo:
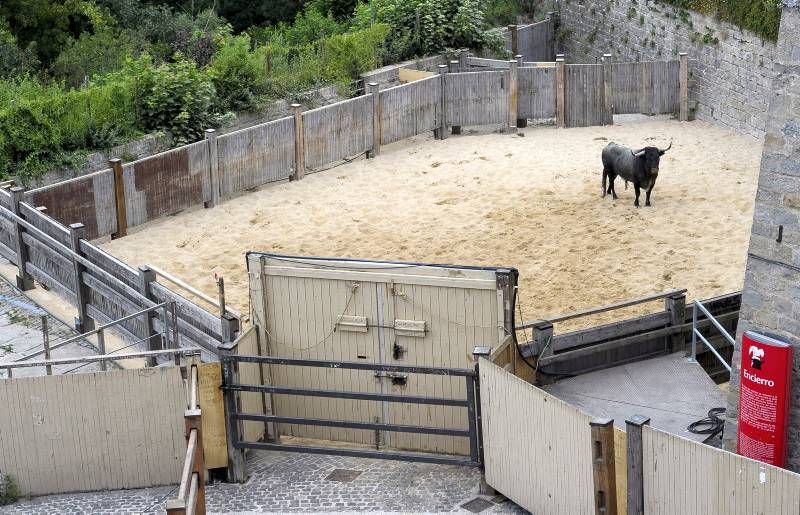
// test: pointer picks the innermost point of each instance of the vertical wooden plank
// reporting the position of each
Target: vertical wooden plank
(442, 69)
(213, 167)
(514, 29)
(684, 87)
(608, 93)
(374, 89)
(513, 95)
(635, 472)
(84, 323)
(646, 99)
(560, 94)
(299, 144)
(119, 199)
(24, 279)
(604, 467)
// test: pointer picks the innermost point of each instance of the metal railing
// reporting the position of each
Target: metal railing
(191, 497)
(168, 312)
(698, 306)
(219, 304)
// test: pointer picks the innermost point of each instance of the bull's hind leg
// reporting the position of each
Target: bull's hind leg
(638, 190)
(649, 190)
(612, 177)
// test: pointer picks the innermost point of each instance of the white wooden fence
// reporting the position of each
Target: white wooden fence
(95, 431)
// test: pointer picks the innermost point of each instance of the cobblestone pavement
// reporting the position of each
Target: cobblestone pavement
(283, 482)
(21, 333)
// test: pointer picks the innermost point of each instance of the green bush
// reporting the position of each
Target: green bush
(763, 17)
(95, 54)
(238, 74)
(9, 491)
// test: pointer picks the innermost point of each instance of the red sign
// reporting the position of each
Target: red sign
(764, 398)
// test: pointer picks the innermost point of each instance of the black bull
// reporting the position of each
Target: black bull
(637, 166)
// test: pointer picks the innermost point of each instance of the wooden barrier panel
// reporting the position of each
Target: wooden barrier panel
(410, 109)
(255, 156)
(666, 87)
(209, 397)
(584, 95)
(537, 93)
(538, 449)
(252, 373)
(477, 98)
(337, 131)
(166, 183)
(88, 200)
(682, 476)
(99, 431)
(621, 456)
(535, 41)
(646, 87)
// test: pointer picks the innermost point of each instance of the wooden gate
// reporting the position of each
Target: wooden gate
(585, 95)
(381, 314)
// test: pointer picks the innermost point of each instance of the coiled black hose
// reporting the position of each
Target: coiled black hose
(711, 425)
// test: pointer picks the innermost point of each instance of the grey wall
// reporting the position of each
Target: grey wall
(730, 81)
(771, 296)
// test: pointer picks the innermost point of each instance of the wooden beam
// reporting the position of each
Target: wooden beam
(608, 92)
(635, 472)
(454, 67)
(560, 93)
(676, 307)
(146, 277)
(513, 95)
(299, 145)
(236, 461)
(684, 87)
(84, 323)
(375, 90)
(24, 279)
(514, 29)
(521, 122)
(604, 467)
(119, 199)
(213, 167)
(442, 69)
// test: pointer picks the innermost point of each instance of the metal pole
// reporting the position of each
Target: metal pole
(175, 343)
(694, 329)
(101, 345)
(46, 344)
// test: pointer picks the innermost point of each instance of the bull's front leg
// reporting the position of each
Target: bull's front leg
(650, 190)
(638, 190)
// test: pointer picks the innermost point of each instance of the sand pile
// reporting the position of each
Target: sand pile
(531, 202)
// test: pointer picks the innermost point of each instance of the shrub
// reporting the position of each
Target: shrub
(94, 54)
(763, 17)
(238, 74)
(9, 491)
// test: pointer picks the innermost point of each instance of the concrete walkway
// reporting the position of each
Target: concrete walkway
(285, 482)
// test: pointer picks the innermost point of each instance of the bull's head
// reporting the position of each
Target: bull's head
(652, 157)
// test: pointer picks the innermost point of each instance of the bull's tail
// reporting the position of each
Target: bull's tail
(605, 177)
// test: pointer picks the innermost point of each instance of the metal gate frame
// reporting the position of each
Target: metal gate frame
(233, 416)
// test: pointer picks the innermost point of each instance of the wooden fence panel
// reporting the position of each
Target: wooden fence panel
(166, 183)
(88, 200)
(255, 156)
(537, 93)
(337, 131)
(585, 105)
(682, 476)
(94, 431)
(660, 95)
(410, 109)
(538, 449)
(197, 327)
(535, 41)
(251, 373)
(477, 98)
(46, 262)
(666, 87)
(626, 86)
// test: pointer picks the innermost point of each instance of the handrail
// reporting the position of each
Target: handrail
(102, 357)
(194, 291)
(601, 309)
(697, 305)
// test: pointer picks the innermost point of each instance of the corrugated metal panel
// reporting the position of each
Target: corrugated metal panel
(255, 156)
(585, 105)
(681, 476)
(410, 109)
(100, 431)
(537, 93)
(337, 131)
(538, 449)
(477, 98)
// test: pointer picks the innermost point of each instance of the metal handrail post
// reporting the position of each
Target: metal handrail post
(694, 331)
(713, 320)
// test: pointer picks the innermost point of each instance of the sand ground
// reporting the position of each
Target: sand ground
(530, 201)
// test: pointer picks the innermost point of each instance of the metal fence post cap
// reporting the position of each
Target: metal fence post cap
(210, 131)
(295, 106)
(17, 189)
(482, 351)
(683, 53)
(607, 56)
(76, 226)
(518, 56)
(638, 420)
(115, 160)
(602, 422)
(372, 84)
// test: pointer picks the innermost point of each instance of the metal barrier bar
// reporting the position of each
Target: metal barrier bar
(104, 357)
(395, 428)
(407, 399)
(194, 291)
(351, 365)
(721, 329)
(712, 349)
(697, 305)
(473, 430)
(357, 453)
(99, 329)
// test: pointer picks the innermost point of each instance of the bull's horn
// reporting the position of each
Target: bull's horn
(669, 147)
(637, 153)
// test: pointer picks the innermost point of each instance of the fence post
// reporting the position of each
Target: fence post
(147, 276)
(46, 344)
(463, 60)
(442, 68)
(604, 466)
(299, 145)
(213, 167)
(478, 353)
(560, 93)
(521, 122)
(83, 323)
(24, 279)
(236, 458)
(119, 199)
(633, 431)
(608, 91)
(513, 95)
(375, 90)
(101, 347)
(684, 87)
(455, 67)
(676, 306)
(514, 39)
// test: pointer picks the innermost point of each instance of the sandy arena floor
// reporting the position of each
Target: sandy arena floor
(531, 202)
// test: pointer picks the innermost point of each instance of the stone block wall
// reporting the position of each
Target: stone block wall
(771, 295)
(731, 71)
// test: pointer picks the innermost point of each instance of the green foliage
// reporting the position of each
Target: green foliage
(94, 54)
(309, 26)
(177, 97)
(9, 491)
(13, 59)
(339, 9)
(762, 17)
(237, 74)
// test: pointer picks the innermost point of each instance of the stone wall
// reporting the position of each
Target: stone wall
(771, 295)
(731, 70)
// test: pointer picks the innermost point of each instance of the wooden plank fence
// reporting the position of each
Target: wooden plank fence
(335, 132)
(537, 93)
(95, 431)
(646, 87)
(477, 98)
(411, 109)
(535, 42)
(584, 95)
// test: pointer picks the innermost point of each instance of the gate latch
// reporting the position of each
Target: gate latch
(397, 379)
